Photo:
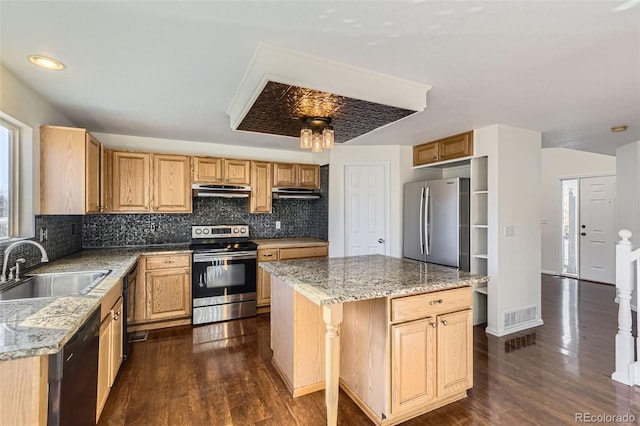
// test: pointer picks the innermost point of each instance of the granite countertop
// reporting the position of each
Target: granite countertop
(290, 242)
(42, 326)
(328, 281)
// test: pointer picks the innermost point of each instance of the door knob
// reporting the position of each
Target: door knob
(380, 240)
(583, 233)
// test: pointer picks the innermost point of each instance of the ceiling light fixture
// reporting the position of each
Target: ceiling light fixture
(45, 62)
(618, 129)
(316, 134)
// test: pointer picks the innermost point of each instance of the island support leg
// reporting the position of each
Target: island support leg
(332, 316)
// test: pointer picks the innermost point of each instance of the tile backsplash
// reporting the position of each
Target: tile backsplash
(64, 236)
(299, 218)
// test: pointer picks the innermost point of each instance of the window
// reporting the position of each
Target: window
(8, 165)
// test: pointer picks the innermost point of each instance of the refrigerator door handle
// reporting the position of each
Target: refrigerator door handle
(426, 221)
(421, 220)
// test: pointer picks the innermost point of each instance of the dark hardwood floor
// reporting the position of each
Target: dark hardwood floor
(221, 374)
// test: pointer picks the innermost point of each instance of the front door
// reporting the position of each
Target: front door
(597, 229)
(365, 218)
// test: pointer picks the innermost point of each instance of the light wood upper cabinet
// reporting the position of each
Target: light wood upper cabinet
(71, 173)
(131, 181)
(456, 146)
(260, 198)
(211, 170)
(144, 182)
(171, 183)
(207, 170)
(288, 175)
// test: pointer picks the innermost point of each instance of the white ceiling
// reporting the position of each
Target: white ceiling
(570, 69)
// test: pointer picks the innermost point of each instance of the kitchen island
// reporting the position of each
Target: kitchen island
(406, 331)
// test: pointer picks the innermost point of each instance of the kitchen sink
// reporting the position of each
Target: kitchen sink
(54, 285)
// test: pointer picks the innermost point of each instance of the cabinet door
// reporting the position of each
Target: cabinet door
(456, 146)
(171, 183)
(309, 176)
(285, 175)
(104, 359)
(92, 175)
(260, 198)
(168, 293)
(455, 352)
(207, 170)
(413, 357)
(425, 153)
(263, 287)
(131, 181)
(117, 333)
(237, 172)
(106, 179)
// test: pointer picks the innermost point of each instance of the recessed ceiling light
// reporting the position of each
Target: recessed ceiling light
(45, 62)
(618, 129)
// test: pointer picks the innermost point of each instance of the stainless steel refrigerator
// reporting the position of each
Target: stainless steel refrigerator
(436, 222)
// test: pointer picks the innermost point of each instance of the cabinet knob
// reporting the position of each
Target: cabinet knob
(435, 157)
(435, 302)
(583, 233)
(186, 272)
(444, 322)
(433, 324)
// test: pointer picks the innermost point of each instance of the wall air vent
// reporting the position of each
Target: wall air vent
(514, 318)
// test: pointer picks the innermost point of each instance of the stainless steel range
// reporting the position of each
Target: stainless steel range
(224, 273)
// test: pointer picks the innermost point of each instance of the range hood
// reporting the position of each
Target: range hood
(296, 193)
(221, 191)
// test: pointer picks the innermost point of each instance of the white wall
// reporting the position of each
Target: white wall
(20, 103)
(514, 199)
(628, 195)
(139, 143)
(558, 163)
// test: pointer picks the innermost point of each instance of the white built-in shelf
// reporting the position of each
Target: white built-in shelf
(481, 256)
(481, 226)
(481, 192)
(483, 290)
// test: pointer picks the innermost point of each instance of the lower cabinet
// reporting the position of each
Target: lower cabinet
(110, 352)
(284, 252)
(162, 292)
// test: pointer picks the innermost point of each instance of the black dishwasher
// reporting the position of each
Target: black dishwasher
(73, 377)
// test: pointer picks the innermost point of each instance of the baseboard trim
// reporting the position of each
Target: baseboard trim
(511, 330)
(544, 271)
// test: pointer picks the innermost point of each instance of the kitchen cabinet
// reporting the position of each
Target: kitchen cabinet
(162, 292)
(145, 182)
(260, 198)
(283, 249)
(449, 148)
(73, 172)
(290, 175)
(211, 170)
(111, 345)
(171, 183)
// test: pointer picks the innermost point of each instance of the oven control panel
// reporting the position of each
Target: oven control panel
(219, 231)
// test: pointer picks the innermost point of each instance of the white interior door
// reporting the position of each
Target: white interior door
(365, 220)
(597, 229)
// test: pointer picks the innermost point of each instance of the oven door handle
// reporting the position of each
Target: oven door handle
(236, 256)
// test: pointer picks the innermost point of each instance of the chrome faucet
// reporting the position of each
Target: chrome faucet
(45, 258)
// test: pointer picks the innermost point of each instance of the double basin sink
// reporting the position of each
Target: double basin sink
(54, 285)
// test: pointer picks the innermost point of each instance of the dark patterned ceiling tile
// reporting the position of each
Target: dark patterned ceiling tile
(280, 108)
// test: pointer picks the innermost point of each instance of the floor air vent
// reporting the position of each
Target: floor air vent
(138, 336)
(514, 318)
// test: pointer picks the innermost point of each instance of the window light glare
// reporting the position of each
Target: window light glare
(45, 62)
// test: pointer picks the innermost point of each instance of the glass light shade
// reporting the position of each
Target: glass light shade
(327, 138)
(305, 138)
(316, 145)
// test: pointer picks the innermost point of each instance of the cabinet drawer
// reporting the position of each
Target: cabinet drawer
(267, 255)
(167, 261)
(428, 304)
(302, 252)
(110, 299)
